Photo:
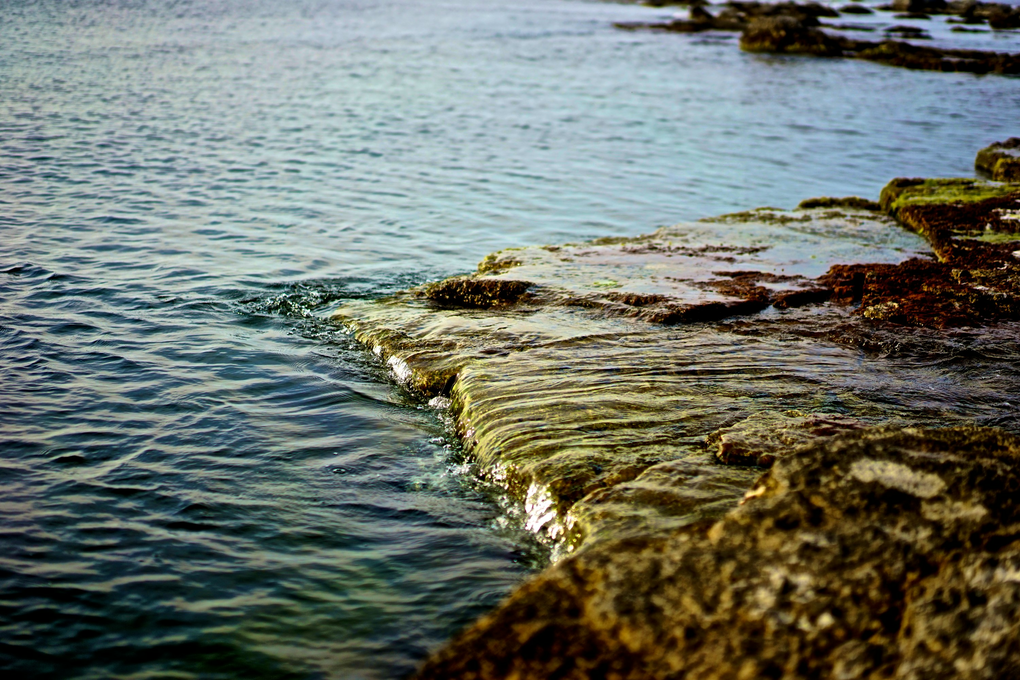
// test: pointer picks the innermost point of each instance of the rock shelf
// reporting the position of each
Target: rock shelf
(566, 377)
(629, 392)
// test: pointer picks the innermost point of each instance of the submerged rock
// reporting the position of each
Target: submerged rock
(1000, 161)
(787, 35)
(880, 553)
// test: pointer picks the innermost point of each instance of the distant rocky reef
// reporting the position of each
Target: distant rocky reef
(794, 28)
(776, 443)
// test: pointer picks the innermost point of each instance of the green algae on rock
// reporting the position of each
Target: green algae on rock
(1001, 161)
(879, 553)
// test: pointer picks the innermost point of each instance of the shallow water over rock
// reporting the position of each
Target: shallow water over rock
(582, 403)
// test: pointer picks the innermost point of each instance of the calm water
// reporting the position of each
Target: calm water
(201, 479)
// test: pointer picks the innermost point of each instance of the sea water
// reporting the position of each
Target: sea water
(199, 477)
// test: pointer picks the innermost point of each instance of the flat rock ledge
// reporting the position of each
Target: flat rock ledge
(629, 392)
(877, 554)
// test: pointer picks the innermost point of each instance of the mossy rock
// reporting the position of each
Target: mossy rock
(902, 192)
(1000, 161)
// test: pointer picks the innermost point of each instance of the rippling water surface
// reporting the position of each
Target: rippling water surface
(201, 479)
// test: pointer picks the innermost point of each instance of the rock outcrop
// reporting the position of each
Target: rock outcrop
(576, 372)
(1000, 161)
(628, 392)
(881, 553)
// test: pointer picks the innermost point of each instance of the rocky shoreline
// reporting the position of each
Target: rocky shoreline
(796, 28)
(630, 393)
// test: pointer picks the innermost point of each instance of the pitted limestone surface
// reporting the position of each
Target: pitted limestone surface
(766, 435)
(888, 552)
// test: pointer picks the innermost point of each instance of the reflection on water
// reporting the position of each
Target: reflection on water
(200, 478)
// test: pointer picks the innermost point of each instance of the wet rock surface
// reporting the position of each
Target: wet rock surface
(628, 392)
(765, 436)
(879, 553)
(574, 370)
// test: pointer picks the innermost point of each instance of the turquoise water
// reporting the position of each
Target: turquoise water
(199, 477)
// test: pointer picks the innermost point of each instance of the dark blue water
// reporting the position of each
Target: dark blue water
(198, 477)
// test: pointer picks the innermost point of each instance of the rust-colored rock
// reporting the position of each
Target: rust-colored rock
(974, 279)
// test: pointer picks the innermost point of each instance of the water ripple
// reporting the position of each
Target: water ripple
(201, 479)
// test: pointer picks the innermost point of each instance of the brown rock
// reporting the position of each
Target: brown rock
(883, 553)
(764, 436)
(1000, 161)
(852, 202)
(481, 293)
(787, 35)
(1004, 18)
